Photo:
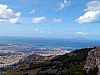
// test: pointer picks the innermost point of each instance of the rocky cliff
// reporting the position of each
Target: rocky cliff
(93, 61)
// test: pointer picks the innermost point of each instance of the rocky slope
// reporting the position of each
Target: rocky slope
(93, 61)
(73, 63)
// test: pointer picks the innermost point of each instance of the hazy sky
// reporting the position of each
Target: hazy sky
(50, 18)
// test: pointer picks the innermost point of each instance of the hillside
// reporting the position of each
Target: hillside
(68, 64)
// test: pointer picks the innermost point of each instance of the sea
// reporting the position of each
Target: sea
(50, 42)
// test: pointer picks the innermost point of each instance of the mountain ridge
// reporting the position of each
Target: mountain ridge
(68, 64)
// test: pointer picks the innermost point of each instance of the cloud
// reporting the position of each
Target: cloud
(63, 4)
(82, 33)
(41, 20)
(92, 13)
(37, 20)
(8, 15)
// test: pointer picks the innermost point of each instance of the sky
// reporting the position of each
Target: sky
(50, 18)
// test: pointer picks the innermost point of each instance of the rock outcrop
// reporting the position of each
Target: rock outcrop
(93, 61)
